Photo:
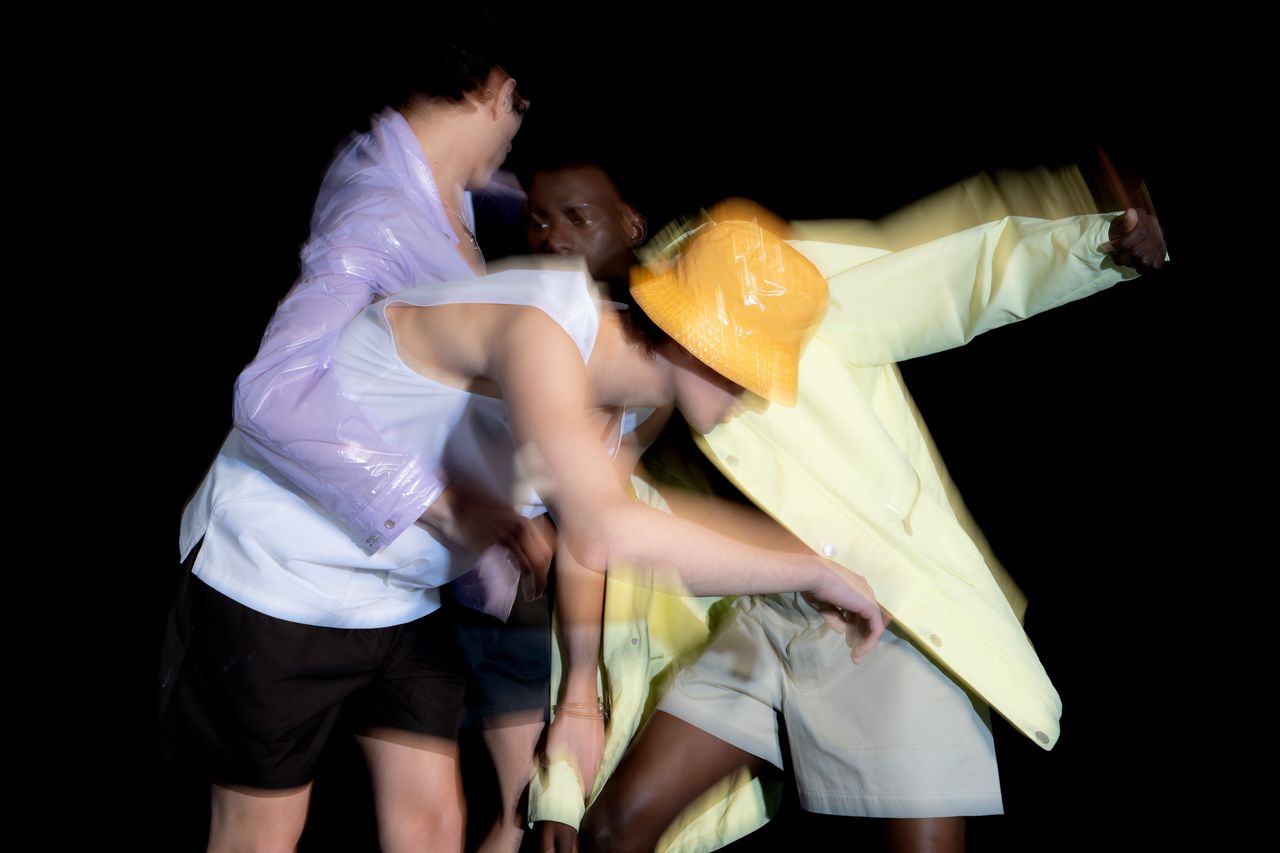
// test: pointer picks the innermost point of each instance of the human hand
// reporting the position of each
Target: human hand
(476, 522)
(1136, 240)
(577, 736)
(554, 837)
(848, 604)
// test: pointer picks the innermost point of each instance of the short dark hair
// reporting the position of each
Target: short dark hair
(639, 328)
(448, 51)
(554, 153)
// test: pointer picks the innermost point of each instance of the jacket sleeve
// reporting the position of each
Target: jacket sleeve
(889, 307)
(555, 794)
(290, 408)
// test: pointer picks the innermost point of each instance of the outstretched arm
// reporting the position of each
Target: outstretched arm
(945, 292)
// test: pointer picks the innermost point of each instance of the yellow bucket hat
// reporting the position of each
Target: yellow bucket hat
(740, 299)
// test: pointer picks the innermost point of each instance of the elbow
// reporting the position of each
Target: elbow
(243, 407)
(250, 413)
(596, 537)
(588, 549)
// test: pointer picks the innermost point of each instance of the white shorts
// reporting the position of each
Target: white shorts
(890, 737)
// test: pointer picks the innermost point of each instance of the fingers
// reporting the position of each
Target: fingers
(537, 546)
(558, 838)
(860, 634)
(532, 548)
(547, 838)
(533, 584)
(1136, 240)
(1147, 246)
(834, 619)
(875, 627)
(863, 618)
(547, 531)
(1150, 251)
(1129, 220)
(1121, 228)
(1143, 229)
(1134, 216)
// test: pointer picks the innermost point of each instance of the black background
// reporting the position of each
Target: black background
(1078, 438)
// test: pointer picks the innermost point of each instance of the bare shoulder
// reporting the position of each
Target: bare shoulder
(530, 334)
(539, 367)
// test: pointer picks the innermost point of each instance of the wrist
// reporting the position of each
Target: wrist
(580, 686)
(439, 513)
(582, 710)
(811, 573)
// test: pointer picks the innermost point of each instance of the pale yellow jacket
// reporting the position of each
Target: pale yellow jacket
(851, 471)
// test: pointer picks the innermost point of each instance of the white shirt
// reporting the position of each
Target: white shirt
(273, 548)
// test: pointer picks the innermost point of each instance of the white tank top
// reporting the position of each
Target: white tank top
(271, 547)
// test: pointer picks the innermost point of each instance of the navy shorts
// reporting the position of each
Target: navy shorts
(507, 664)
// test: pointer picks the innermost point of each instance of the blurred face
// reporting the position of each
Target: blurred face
(504, 111)
(578, 211)
(703, 396)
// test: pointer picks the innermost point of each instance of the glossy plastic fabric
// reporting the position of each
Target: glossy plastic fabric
(378, 228)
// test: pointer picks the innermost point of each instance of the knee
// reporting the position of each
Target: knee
(606, 828)
(451, 825)
(422, 829)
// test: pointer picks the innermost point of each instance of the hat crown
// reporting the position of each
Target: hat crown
(742, 300)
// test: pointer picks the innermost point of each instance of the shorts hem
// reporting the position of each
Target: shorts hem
(853, 804)
(717, 727)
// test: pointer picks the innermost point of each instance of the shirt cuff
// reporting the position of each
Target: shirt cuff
(396, 507)
(556, 794)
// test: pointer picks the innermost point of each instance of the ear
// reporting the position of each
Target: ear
(634, 225)
(503, 103)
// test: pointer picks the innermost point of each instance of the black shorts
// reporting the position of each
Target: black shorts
(251, 699)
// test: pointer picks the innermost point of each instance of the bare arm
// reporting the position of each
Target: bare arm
(753, 526)
(577, 731)
(544, 383)
(743, 523)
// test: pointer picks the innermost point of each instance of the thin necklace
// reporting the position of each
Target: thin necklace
(462, 220)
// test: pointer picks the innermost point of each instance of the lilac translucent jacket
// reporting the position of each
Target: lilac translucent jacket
(379, 226)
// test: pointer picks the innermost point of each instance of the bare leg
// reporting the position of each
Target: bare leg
(668, 766)
(417, 790)
(672, 762)
(925, 835)
(511, 748)
(257, 819)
